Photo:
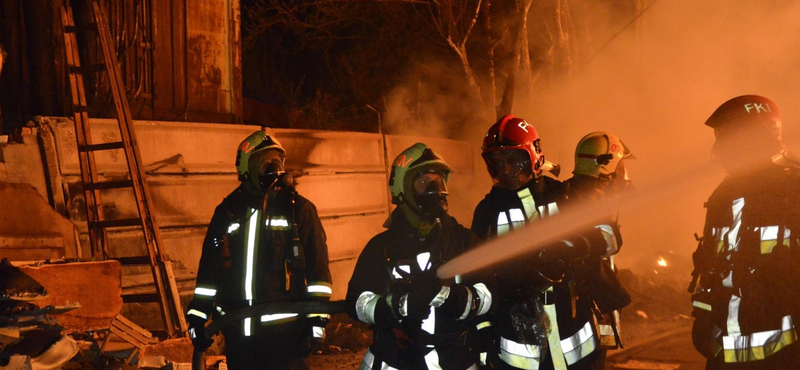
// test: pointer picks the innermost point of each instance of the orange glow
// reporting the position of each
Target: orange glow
(662, 262)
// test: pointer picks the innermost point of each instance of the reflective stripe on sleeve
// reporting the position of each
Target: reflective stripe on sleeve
(277, 317)
(322, 315)
(206, 292)
(759, 345)
(612, 246)
(484, 324)
(403, 309)
(520, 355)
(320, 289)
(579, 345)
(438, 301)
(197, 313)
(485, 296)
(468, 306)
(701, 305)
(318, 332)
(365, 307)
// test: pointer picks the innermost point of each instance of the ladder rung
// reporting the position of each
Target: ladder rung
(116, 223)
(138, 260)
(88, 69)
(143, 297)
(103, 146)
(80, 28)
(109, 185)
(94, 109)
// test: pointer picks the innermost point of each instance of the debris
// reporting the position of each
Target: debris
(17, 286)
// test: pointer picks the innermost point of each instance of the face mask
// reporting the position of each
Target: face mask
(270, 174)
(268, 165)
(430, 194)
(511, 168)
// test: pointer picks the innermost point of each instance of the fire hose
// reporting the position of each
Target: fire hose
(329, 307)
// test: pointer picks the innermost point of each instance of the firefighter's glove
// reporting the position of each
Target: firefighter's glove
(197, 333)
(316, 324)
(595, 242)
(415, 304)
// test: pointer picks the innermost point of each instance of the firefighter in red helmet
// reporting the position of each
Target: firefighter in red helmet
(418, 321)
(747, 264)
(265, 243)
(539, 321)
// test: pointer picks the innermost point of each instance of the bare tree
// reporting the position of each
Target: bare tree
(454, 21)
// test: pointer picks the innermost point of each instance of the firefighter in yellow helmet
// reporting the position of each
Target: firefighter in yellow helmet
(747, 265)
(265, 243)
(418, 320)
(600, 174)
(599, 166)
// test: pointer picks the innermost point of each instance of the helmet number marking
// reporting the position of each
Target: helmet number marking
(759, 107)
(524, 125)
(245, 147)
(402, 161)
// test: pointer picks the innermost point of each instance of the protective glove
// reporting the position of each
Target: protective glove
(197, 333)
(415, 302)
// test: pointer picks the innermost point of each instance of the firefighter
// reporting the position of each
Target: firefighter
(600, 174)
(539, 320)
(747, 265)
(265, 243)
(418, 321)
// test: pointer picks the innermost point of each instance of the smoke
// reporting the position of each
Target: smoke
(653, 84)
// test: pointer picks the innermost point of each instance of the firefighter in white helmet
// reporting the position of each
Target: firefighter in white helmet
(747, 264)
(540, 322)
(599, 177)
(265, 243)
(418, 320)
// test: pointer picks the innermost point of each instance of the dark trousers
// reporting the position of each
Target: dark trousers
(284, 351)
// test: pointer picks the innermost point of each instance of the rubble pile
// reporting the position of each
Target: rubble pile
(33, 335)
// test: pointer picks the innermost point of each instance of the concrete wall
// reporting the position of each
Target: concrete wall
(190, 170)
(30, 229)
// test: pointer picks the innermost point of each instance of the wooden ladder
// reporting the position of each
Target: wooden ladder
(166, 295)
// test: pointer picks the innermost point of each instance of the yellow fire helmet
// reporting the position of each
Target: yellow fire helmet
(599, 153)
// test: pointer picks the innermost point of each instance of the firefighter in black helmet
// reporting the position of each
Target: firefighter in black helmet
(265, 243)
(540, 322)
(418, 320)
(747, 265)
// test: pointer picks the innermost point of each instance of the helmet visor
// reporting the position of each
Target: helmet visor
(507, 163)
(431, 182)
(268, 165)
(430, 194)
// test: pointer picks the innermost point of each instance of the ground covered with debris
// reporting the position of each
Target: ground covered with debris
(660, 304)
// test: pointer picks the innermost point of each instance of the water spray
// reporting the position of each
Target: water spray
(541, 233)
